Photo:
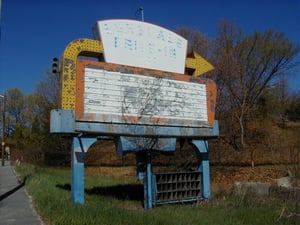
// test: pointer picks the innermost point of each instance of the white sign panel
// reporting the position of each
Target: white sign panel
(141, 44)
(115, 93)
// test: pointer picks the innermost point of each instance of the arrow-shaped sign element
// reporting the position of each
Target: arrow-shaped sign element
(197, 64)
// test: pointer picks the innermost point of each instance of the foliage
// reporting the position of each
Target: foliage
(27, 121)
(274, 102)
(293, 111)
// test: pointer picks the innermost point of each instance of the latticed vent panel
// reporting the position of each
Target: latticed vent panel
(177, 187)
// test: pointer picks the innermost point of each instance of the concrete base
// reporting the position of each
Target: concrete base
(255, 188)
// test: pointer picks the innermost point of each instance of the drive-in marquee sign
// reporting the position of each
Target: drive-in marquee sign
(140, 81)
(130, 83)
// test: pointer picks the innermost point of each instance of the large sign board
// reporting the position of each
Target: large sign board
(130, 95)
(141, 44)
(110, 93)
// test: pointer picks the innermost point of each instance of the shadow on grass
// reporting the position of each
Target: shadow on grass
(133, 192)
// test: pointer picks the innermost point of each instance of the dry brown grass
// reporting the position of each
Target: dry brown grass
(273, 157)
(118, 171)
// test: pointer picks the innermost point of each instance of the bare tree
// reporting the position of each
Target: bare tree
(196, 41)
(245, 66)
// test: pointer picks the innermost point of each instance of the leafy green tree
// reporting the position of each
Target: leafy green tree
(274, 103)
(28, 120)
(15, 121)
(46, 98)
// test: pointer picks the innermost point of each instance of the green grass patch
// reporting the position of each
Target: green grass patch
(118, 200)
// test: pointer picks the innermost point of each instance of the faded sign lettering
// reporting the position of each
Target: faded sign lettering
(141, 44)
(115, 93)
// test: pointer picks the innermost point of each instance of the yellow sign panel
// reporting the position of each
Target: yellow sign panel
(198, 64)
(80, 47)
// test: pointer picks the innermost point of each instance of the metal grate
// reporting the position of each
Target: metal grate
(177, 187)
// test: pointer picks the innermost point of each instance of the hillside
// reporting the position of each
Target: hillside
(260, 162)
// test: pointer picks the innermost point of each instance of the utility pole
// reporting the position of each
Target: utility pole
(2, 96)
(3, 128)
(0, 17)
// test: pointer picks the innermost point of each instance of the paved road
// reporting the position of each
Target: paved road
(15, 203)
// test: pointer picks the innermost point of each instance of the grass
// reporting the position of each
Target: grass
(118, 200)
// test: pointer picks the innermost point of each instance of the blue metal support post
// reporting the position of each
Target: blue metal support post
(148, 198)
(203, 166)
(79, 149)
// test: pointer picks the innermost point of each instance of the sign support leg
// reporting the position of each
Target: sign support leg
(79, 148)
(203, 166)
(148, 198)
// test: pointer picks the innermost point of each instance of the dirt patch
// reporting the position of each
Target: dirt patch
(223, 177)
(259, 162)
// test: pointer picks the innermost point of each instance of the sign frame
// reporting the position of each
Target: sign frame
(81, 116)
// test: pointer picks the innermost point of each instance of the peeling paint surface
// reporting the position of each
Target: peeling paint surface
(143, 97)
(144, 44)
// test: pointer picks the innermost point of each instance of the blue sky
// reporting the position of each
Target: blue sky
(35, 31)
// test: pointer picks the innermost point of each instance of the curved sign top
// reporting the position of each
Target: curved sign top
(141, 44)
